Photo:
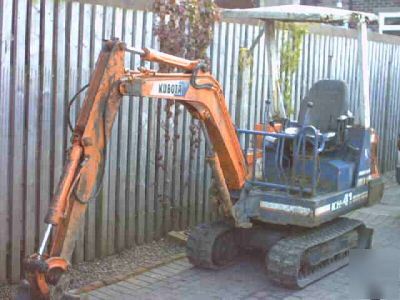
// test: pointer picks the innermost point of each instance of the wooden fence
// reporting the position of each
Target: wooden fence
(156, 176)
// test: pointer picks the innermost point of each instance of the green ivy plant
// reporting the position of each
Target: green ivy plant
(290, 58)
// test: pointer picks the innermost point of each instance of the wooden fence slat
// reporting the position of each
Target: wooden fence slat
(159, 166)
(45, 110)
(168, 165)
(82, 22)
(176, 171)
(132, 146)
(142, 149)
(17, 128)
(6, 35)
(184, 169)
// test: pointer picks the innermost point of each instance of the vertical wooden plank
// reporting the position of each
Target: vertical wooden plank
(258, 107)
(176, 169)
(214, 50)
(396, 112)
(114, 175)
(297, 81)
(321, 56)
(163, 138)
(373, 78)
(3, 158)
(168, 201)
(113, 163)
(28, 233)
(67, 73)
(234, 67)
(304, 74)
(353, 96)
(395, 124)
(53, 94)
(31, 115)
(45, 110)
(58, 85)
(16, 132)
(184, 169)
(122, 151)
(200, 177)
(80, 18)
(160, 198)
(102, 200)
(105, 17)
(151, 134)
(228, 63)
(142, 147)
(5, 140)
(88, 49)
(193, 134)
(4, 179)
(257, 79)
(248, 86)
(132, 145)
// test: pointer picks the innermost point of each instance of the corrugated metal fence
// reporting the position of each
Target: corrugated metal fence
(156, 178)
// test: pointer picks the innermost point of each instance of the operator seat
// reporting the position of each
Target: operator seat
(331, 101)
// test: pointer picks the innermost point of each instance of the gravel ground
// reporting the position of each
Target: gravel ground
(122, 263)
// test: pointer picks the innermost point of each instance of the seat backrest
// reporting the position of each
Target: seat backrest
(330, 98)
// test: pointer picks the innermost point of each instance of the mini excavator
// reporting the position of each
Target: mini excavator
(282, 188)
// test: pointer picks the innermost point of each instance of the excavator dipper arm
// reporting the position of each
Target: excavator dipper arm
(81, 178)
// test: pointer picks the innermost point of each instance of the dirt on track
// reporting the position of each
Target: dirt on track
(124, 262)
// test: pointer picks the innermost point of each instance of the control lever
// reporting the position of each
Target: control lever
(266, 116)
(341, 129)
(310, 105)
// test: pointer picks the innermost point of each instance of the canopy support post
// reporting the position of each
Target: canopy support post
(278, 108)
(365, 112)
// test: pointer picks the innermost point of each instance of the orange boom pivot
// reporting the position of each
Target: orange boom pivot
(81, 179)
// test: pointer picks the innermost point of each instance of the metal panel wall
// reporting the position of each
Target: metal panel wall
(156, 175)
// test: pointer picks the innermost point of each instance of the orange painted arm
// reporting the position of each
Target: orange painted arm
(207, 104)
(82, 173)
(163, 58)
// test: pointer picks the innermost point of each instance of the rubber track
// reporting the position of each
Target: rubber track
(284, 258)
(199, 247)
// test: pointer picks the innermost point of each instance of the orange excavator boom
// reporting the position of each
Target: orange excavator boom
(81, 179)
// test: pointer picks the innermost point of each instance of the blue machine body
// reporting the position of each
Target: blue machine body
(308, 176)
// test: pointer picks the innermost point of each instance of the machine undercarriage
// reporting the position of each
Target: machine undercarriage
(294, 257)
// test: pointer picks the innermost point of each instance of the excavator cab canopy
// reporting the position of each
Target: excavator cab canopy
(299, 13)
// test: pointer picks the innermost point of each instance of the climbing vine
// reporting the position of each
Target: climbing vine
(290, 58)
(184, 28)
(245, 58)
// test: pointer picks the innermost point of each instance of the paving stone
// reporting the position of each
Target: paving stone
(247, 279)
(129, 285)
(97, 295)
(155, 275)
(137, 281)
(146, 278)
(122, 289)
(169, 269)
(162, 272)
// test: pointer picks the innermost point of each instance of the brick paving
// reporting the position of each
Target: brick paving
(247, 279)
